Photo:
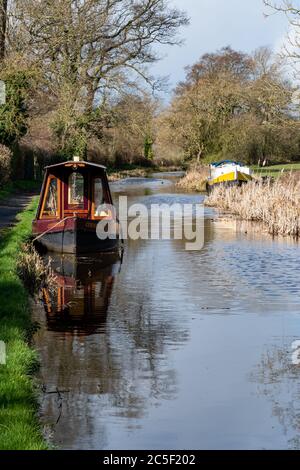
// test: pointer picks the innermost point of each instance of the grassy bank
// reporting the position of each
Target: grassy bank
(20, 185)
(130, 172)
(276, 205)
(276, 170)
(19, 427)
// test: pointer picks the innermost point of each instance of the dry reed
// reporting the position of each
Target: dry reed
(276, 204)
(33, 271)
(195, 179)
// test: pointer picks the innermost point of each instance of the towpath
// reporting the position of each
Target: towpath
(11, 206)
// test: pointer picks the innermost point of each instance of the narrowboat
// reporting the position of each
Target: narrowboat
(78, 303)
(75, 197)
(228, 172)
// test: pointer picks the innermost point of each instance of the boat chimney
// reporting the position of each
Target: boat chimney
(76, 158)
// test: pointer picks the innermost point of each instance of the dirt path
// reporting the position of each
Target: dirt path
(10, 207)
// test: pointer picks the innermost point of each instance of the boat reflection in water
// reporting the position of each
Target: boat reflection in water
(78, 303)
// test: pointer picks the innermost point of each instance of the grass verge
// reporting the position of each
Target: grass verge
(19, 428)
(276, 170)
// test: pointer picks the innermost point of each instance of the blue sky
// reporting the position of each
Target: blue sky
(217, 23)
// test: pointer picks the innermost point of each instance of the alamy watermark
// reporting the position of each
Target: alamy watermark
(2, 353)
(154, 222)
(2, 92)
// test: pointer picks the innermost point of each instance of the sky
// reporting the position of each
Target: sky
(214, 24)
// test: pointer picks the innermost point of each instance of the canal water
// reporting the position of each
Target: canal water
(171, 349)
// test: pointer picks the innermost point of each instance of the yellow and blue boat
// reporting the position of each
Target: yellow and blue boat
(228, 173)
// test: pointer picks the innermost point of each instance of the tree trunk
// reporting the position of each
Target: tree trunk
(3, 23)
(199, 154)
(90, 97)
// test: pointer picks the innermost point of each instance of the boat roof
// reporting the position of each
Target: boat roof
(223, 162)
(76, 163)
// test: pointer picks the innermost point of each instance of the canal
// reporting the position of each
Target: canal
(174, 349)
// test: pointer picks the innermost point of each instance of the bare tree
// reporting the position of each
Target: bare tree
(286, 6)
(96, 44)
(133, 132)
(233, 105)
(291, 9)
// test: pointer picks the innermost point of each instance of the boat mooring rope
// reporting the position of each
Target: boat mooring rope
(51, 228)
(73, 217)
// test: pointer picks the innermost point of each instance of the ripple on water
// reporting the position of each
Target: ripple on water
(177, 349)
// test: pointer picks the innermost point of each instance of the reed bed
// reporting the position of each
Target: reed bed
(275, 204)
(33, 271)
(194, 180)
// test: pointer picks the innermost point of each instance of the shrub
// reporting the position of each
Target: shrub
(5, 164)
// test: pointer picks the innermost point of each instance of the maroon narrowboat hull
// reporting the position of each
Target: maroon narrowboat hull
(73, 235)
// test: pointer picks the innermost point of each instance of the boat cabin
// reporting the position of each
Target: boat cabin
(73, 188)
(72, 201)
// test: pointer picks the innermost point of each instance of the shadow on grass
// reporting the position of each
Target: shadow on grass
(27, 186)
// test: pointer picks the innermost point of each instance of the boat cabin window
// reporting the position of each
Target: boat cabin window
(76, 190)
(50, 208)
(98, 196)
